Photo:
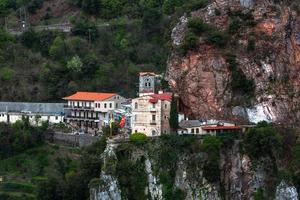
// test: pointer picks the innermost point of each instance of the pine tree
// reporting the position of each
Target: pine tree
(174, 114)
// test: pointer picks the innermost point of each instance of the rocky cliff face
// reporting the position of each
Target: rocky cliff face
(239, 178)
(202, 76)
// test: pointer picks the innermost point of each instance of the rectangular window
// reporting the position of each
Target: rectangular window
(56, 117)
(110, 105)
(105, 105)
(153, 118)
(117, 105)
(193, 131)
(153, 105)
(197, 130)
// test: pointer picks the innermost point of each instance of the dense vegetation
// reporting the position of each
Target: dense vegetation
(32, 169)
(19, 137)
(110, 40)
(266, 142)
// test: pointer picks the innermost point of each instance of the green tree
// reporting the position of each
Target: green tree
(75, 64)
(57, 49)
(173, 121)
(212, 145)
(170, 5)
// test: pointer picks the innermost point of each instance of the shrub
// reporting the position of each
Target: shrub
(218, 38)
(6, 74)
(239, 82)
(198, 26)
(214, 36)
(138, 138)
(190, 42)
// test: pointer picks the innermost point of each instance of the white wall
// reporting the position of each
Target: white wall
(14, 117)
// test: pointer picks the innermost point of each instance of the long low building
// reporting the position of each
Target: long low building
(210, 127)
(11, 112)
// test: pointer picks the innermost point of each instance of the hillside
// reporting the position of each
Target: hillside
(47, 65)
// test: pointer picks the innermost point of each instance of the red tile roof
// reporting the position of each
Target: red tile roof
(147, 74)
(221, 127)
(89, 96)
(163, 97)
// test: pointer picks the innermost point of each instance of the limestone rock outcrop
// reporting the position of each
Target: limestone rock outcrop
(202, 77)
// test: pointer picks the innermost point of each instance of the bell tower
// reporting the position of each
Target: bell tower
(147, 83)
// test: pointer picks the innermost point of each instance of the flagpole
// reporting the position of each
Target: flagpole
(110, 130)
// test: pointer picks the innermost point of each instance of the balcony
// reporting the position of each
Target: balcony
(82, 118)
(78, 107)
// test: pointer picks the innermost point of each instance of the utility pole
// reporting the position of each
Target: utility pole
(23, 18)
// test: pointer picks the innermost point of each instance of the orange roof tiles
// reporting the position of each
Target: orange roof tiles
(89, 96)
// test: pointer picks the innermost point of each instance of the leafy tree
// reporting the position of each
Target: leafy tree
(29, 38)
(4, 37)
(75, 64)
(3, 7)
(86, 28)
(170, 5)
(174, 114)
(57, 49)
(263, 140)
(212, 145)
(151, 18)
(91, 6)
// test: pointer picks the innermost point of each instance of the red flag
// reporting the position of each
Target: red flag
(122, 122)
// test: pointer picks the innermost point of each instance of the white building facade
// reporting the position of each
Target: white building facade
(37, 113)
(90, 111)
(210, 127)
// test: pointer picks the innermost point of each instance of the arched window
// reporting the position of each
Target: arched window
(153, 133)
(136, 105)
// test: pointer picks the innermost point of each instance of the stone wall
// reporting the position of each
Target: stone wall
(73, 140)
